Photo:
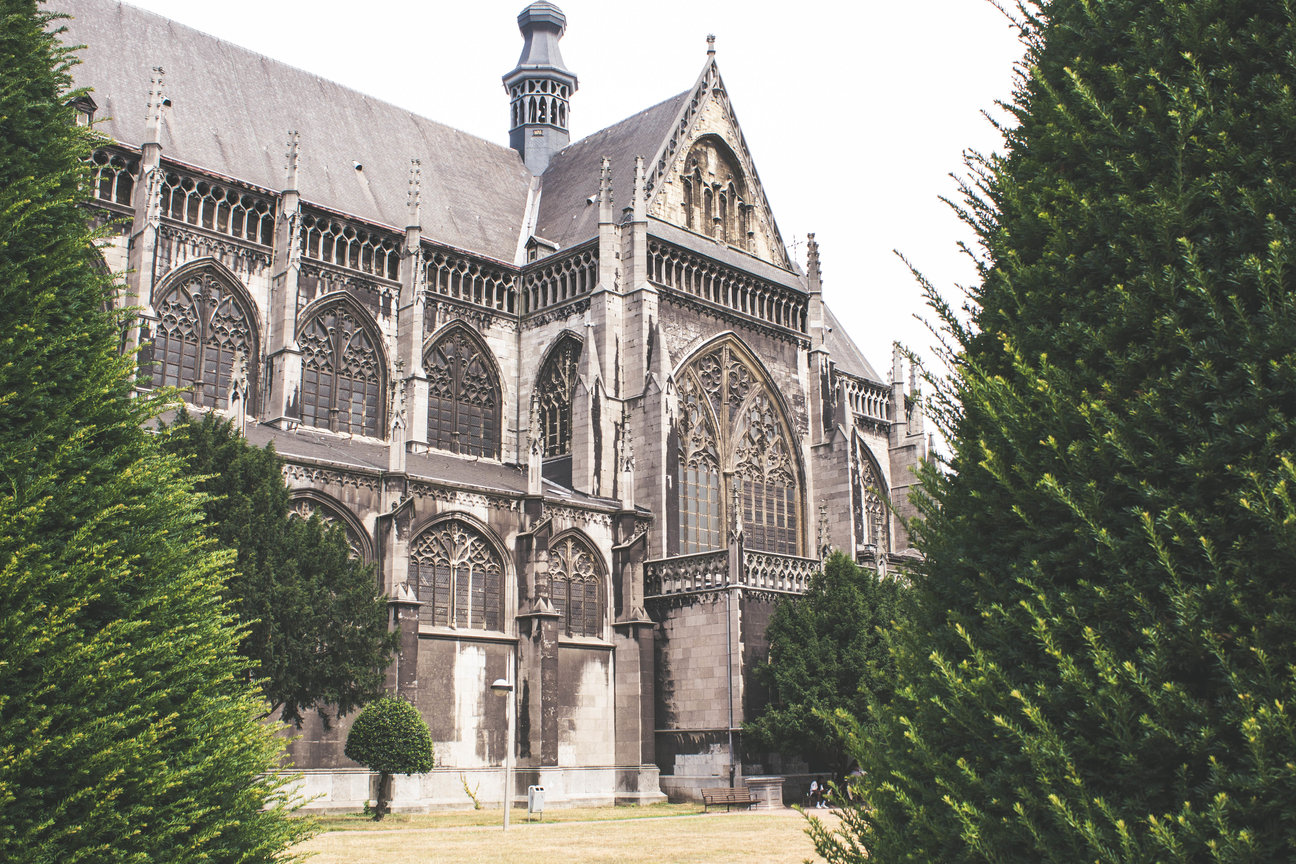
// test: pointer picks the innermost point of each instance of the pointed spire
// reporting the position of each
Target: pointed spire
(415, 194)
(897, 364)
(294, 140)
(640, 193)
(605, 191)
(157, 100)
(812, 264)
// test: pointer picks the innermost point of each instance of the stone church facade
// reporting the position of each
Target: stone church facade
(573, 400)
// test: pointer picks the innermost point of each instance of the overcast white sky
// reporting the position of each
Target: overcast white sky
(856, 112)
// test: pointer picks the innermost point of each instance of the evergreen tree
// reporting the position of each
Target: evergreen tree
(390, 737)
(316, 623)
(1100, 664)
(827, 653)
(126, 731)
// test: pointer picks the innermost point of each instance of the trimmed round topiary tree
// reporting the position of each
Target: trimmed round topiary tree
(390, 737)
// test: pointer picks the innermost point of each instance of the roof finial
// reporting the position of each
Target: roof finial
(812, 261)
(153, 114)
(640, 202)
(291, 169)
(710, 44)
(415, 194)
(605, 191)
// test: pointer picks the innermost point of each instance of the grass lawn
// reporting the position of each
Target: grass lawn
(675, 833)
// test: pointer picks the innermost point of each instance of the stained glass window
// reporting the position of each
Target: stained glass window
(342, 375)
(730, 427)
(554, 391)
(458, 576)
(575, 576)
(463, 397)
(202, 323)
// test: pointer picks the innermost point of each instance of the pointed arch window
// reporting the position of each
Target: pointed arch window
(735, 448)
(203, 322)
(458, 576)
(714, 184)
(869, 507)
(342, 372)
(554, 391)
(576, 577)
(304, 506)
(767, 481)
(463, 397)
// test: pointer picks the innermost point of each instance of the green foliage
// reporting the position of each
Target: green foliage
(827, 652)
(1099, 667)
(316, 624)
(389, 736)
(126, 732)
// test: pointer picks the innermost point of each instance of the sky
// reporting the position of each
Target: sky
(855, 113)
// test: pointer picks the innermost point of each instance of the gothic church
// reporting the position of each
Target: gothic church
(573, 400)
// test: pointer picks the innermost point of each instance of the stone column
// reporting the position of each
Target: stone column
(282, 353)
(402, 677)
(410, 313)
(141, 271)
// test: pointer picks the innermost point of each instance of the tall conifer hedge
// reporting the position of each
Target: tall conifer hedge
(127, 732)
(1100, 665)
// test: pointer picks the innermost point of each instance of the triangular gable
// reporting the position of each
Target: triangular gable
(706, 144)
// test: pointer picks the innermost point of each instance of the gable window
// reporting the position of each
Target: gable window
(202, 324)
(554, 391)
(342, 373)
(714, 192)
(463, 397)
(458, 576)
(575, 577)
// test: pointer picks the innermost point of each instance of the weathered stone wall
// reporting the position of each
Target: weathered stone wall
(468, 720)
(585, 700)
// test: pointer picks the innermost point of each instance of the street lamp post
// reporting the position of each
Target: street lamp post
(505, 687)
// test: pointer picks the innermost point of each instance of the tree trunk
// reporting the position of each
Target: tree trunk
(384, 795)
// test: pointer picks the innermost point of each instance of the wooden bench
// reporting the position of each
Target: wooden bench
(728, 796)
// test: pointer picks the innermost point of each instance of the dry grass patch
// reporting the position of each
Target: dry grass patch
(617, 837)
(491, 817)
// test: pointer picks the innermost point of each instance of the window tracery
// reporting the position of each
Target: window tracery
(202, 324)
(868, 505)
(458, 576)
(342, 372)
(463, 397)
(714, 200)
(305, 508)
(731, 434)
(554, 391)
(575, 576)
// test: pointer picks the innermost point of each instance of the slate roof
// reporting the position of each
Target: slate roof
(845, 353)
(566, 215)
(232, 110)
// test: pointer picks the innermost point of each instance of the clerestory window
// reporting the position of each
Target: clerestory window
(463, 397)
(342, 372)
(203, 323)
(555, 389)
(735, 449)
